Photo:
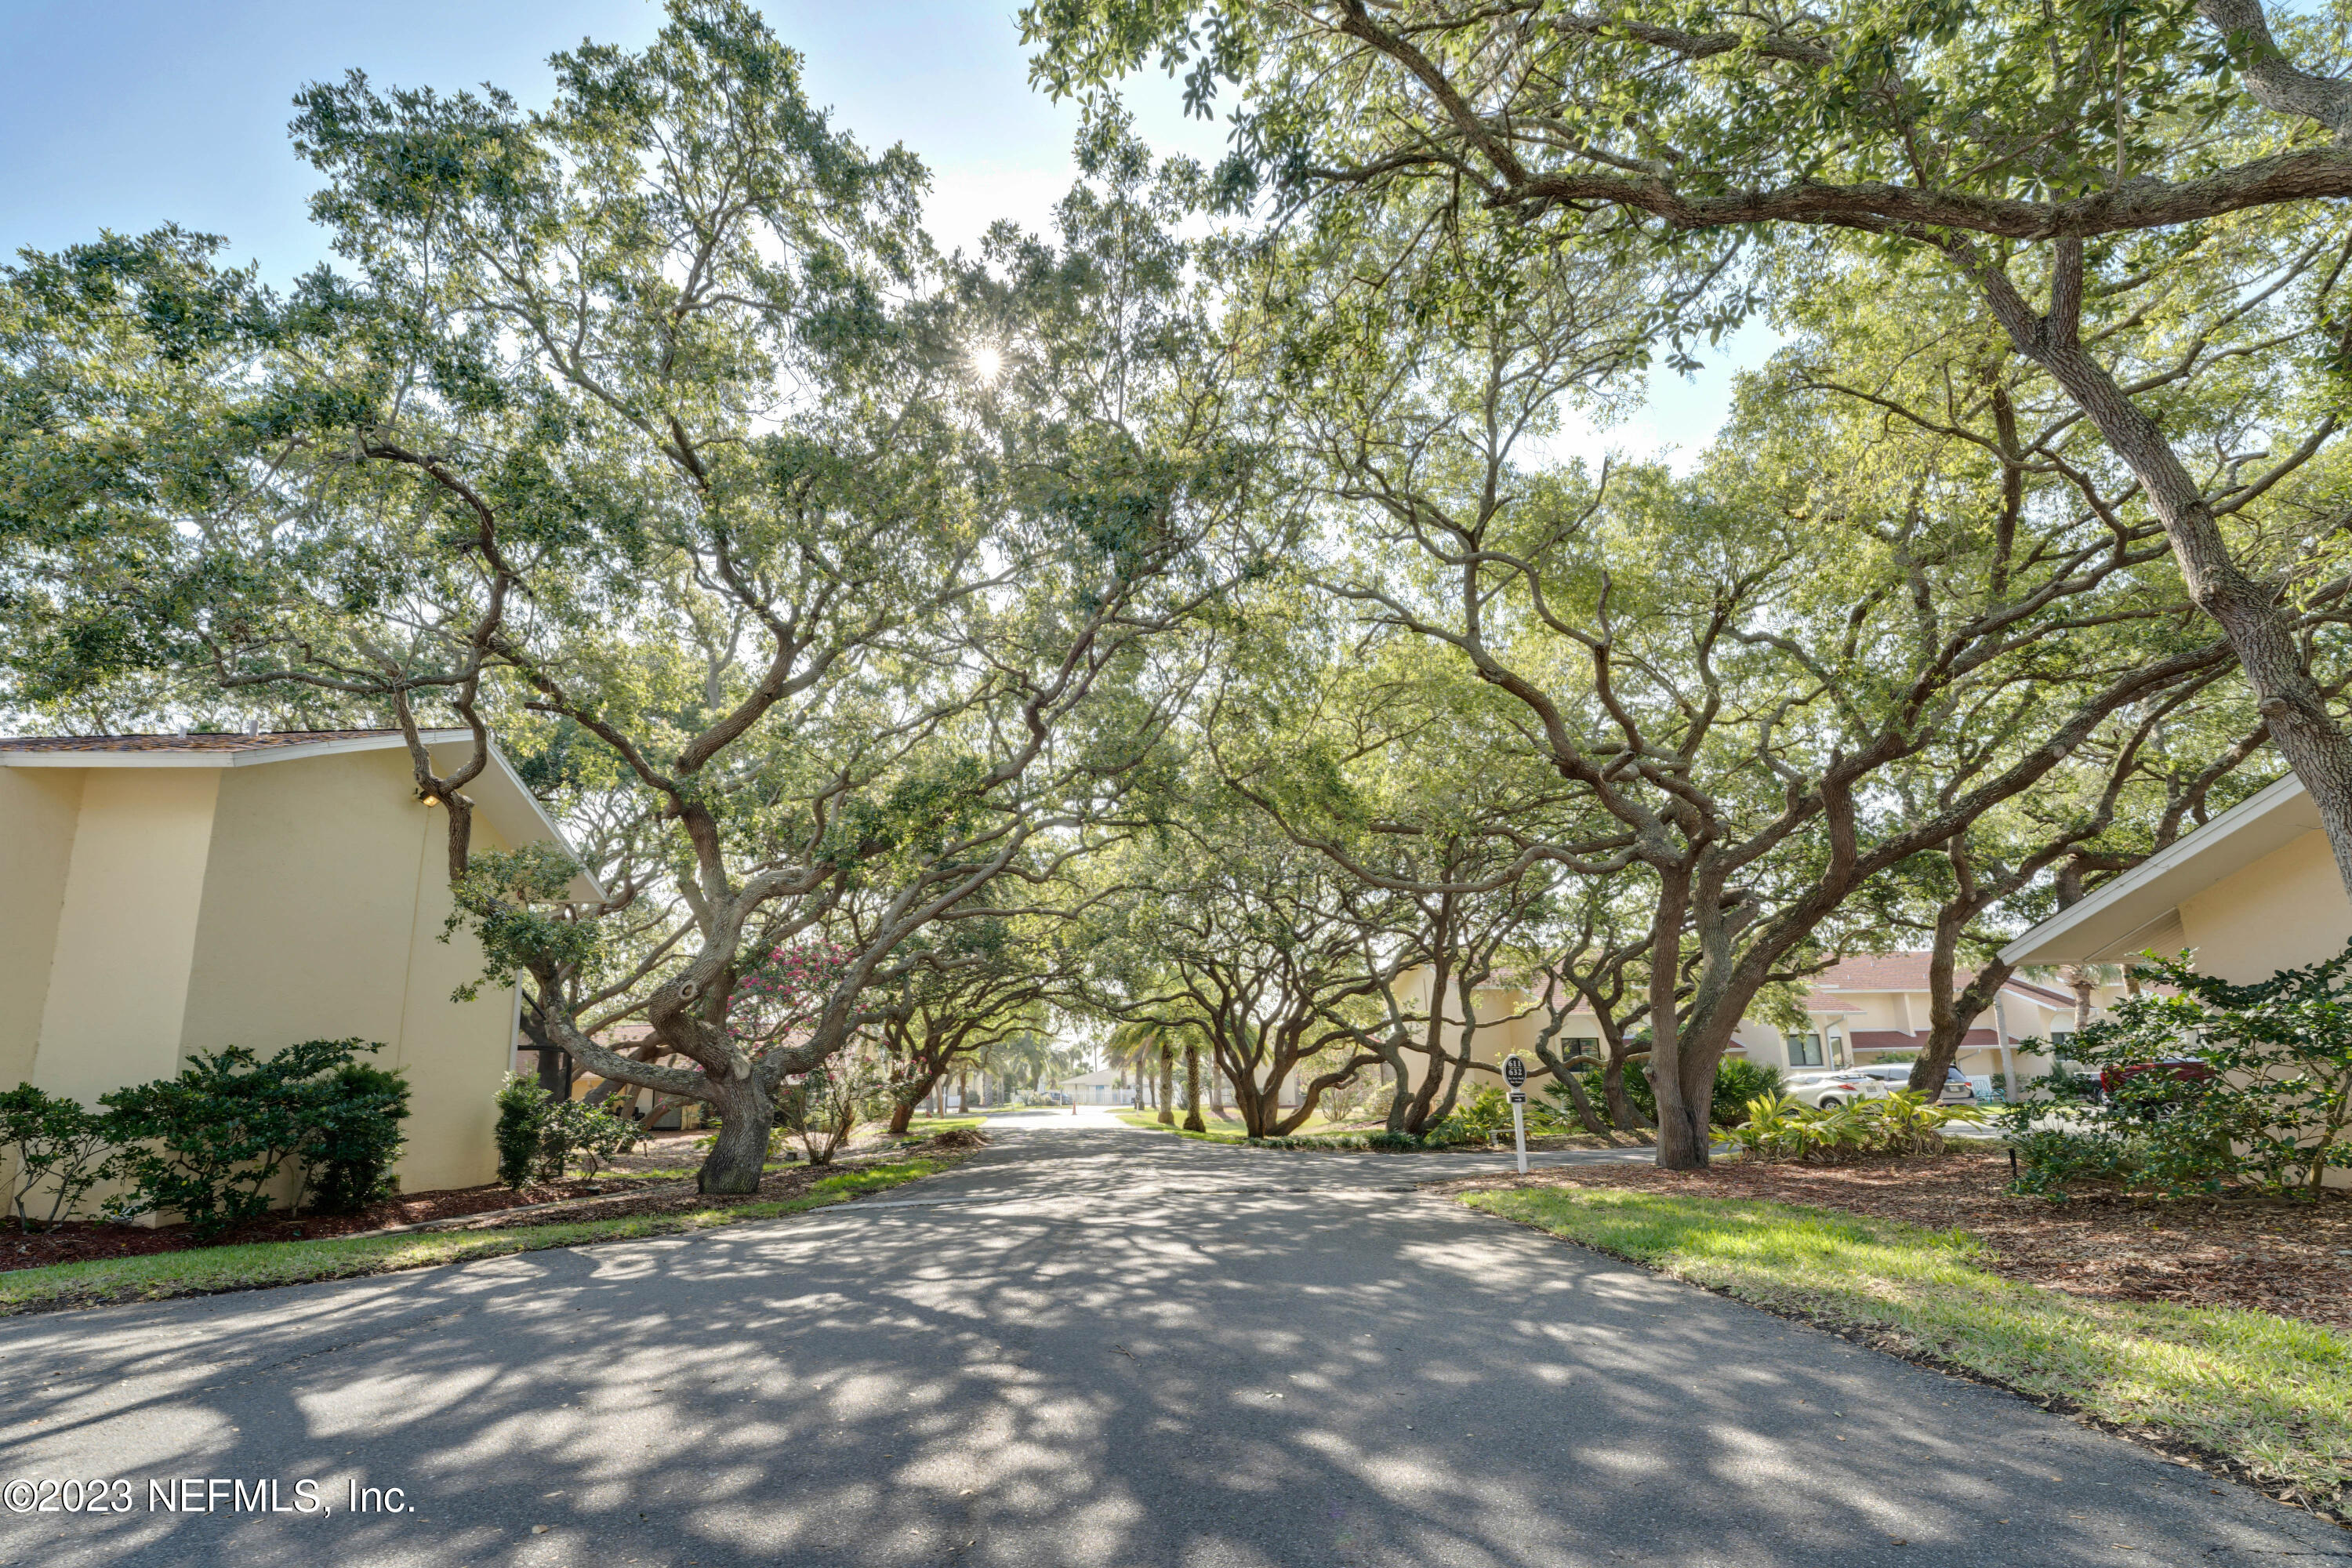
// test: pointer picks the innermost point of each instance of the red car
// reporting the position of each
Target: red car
(2181, 1070)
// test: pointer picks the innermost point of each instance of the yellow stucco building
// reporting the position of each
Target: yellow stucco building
(169, 894)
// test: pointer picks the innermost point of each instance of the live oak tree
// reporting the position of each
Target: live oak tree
(2125, 189)
(1376, 753)
(650, 418)
(980, 690)
(1595, 963)
(1929, 379)
(1719, 676)
(1216, 925)
(967, 988)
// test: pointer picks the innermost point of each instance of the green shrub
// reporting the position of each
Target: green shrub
(55, 1141)
(359, 1139)
(1486, 1111)
(1738, 1081)
(1453, 1132)
(208, 1142)
(1637, 1089)
(2052, 1159)
(2274, 1115)
(522, 1119)
(573, 1129)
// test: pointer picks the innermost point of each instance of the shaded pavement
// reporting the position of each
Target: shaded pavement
(1089, 1346)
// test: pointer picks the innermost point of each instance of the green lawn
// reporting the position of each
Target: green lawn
(213, 1268)
(924, 1126)
(2271, 1391)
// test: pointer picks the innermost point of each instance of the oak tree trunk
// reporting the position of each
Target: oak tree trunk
(2249, 614)
(1614, 1093)
(1684, 1141)
(902, 1110)
(739, 1157)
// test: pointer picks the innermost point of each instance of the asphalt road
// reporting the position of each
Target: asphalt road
(1090, 1346)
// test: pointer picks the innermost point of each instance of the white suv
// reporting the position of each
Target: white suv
(1828, 1090)
(1896, 1075)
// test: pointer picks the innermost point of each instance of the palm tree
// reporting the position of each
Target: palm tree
(1132, 1045)
(2083, 979)
(1193, 1122)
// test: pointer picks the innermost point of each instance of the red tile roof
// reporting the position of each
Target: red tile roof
(230, 742)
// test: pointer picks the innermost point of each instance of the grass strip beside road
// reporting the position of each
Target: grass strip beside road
(210, 1269)
(1223, 1129)
(1149, 1120)
(2271, 1395)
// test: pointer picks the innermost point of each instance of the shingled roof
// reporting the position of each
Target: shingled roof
(1909, 972)
(205, 742)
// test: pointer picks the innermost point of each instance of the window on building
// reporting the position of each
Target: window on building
(1804, 1050)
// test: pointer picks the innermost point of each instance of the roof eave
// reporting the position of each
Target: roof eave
(498, 792)
(2142, 899)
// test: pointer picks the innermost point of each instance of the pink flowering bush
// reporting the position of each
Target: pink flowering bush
(781, 993)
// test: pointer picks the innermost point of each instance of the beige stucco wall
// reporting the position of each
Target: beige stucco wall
(456, 1053)
(315, 882)
(321, 921)
(157, 911)
(118, 974)
(2284, 911)
(37, 837)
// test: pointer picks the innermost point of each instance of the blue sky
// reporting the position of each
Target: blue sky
(131, 113)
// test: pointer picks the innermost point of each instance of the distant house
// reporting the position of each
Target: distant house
(169, 894)
(1866, 1009)
(1103, 1086)
(2253, 892)
(1859, 1010)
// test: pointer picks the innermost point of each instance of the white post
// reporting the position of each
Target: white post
(1519, 1130)
(2008, 1058)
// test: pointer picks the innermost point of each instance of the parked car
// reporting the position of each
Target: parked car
(1957, 1089)
(2181, 1070)
(1828, 1090)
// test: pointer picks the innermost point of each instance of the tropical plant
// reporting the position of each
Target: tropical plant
(1778, 1127)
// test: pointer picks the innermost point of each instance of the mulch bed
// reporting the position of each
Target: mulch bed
(78, 1242)
(2290, 1257)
